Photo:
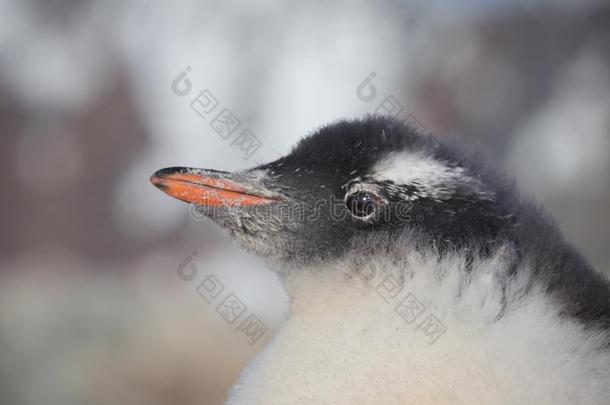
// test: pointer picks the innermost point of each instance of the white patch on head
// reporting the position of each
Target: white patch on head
(433, 178)
(407, 167)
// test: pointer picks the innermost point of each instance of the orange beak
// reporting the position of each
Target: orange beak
(207, 187)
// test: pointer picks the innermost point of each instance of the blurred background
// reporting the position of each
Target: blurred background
(105, 282)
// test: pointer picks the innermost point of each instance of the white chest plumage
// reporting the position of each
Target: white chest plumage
(424, 331)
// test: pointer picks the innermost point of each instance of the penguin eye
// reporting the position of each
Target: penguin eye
(362, 204)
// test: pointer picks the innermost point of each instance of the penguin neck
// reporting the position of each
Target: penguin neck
(325, 292)
(333, 289)
(366, 281)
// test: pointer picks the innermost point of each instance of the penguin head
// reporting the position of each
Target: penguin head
(347, 181)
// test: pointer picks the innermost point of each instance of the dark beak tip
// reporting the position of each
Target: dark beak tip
(158, 177)
(167, 171)
(158, 181)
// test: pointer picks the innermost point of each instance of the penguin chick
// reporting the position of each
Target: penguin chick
(417, 274)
